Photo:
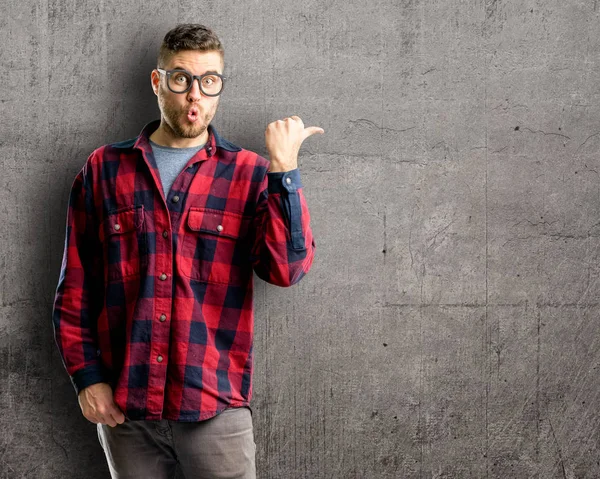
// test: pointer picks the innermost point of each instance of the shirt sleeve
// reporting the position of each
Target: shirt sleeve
(284, 247)
(79, 292)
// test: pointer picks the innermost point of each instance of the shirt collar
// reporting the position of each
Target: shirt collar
(214, 139)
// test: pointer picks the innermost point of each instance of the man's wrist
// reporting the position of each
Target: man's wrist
(278, 165)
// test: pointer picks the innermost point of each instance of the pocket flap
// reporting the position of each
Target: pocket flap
(122, 221)
(217, 222)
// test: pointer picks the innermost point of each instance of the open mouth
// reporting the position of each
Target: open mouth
(193, 114)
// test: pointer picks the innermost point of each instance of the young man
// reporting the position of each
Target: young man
(153, 313)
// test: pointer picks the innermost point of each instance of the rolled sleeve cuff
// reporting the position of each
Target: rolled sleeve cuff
(87, 376)
(288, 181)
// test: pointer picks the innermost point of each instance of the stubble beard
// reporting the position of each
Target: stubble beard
(173, 115)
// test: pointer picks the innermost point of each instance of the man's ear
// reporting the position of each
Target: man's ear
(155, 80)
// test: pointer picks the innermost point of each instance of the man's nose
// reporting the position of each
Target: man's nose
(195, 92)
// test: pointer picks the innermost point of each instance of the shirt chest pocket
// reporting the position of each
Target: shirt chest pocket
(124, 243)
(215, 247)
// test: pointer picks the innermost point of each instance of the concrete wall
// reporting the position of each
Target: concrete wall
(449, 325)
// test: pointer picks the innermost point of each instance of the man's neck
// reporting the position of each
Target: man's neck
(164, 136)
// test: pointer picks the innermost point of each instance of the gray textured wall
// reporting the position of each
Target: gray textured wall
(449, 325)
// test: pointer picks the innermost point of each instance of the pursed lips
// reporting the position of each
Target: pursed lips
(193, 113)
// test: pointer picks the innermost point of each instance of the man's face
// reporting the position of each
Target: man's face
(177, 108)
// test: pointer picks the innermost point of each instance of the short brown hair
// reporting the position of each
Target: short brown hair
(188, 36)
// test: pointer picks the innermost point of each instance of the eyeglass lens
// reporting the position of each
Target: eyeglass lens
(181, 81)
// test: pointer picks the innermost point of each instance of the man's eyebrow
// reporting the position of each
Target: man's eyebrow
(177, 67)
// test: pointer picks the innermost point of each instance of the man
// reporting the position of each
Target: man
(153, 313)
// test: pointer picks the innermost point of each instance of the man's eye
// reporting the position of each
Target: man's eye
(209, 80)
(181, 78)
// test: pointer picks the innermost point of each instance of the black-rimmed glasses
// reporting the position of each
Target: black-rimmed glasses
(180, 81)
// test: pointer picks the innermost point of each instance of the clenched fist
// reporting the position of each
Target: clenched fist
(283, 139)
(98, 406)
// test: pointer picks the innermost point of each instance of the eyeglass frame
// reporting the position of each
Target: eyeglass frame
(168, 73)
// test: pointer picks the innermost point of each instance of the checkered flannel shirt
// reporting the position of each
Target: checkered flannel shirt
(155, 294)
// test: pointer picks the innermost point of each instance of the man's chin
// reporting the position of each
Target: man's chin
(191, 130)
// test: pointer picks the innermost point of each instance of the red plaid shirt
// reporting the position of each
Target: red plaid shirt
(155, 294)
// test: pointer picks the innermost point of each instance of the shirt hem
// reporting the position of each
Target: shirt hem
(190, 417)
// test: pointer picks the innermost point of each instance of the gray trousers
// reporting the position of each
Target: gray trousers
(220, 447)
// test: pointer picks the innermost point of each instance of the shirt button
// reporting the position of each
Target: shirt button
(220, 228)
(159, 359)
(175, 199)
(117, 227)
(288, 180)
(163, 276)
(165, 234)
(163, 318)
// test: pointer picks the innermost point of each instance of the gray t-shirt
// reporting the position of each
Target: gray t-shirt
(171, 161)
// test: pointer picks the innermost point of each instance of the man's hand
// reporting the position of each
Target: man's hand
(98, 406)
(283, 139)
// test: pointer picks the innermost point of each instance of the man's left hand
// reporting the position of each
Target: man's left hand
(283, 139)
